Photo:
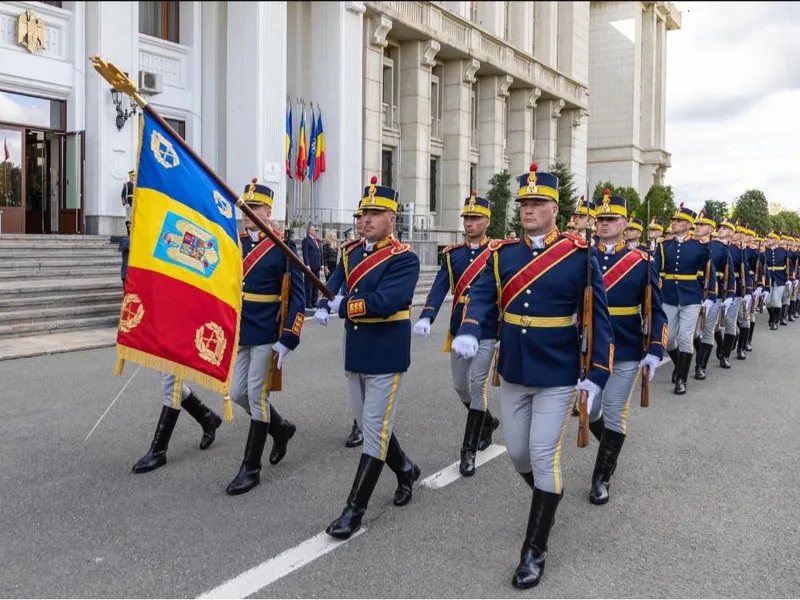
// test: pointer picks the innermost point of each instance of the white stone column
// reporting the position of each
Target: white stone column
(336, 84)
(459, 75)
(490, 17)
(648, 78)
(520, 137)
(520, 25)
(572, 139)
(547, 135)
(493, 91)
(110, 154)
(661, 85)
(212, 95)
(375, 32)
(545, 31)
(256, 104)
(416, 60)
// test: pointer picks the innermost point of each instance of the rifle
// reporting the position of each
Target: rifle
(743, 275)
(725, 286)
(644, 400)
(276, 374)
(705, 292)
(586, 345)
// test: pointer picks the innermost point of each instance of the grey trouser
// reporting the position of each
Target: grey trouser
(682, 321)
(175, 391)
(471, 376)
(776, 295)
(128, 212)
(711, 323)
(741, 319)
(250, 385)
(616, 397)
(534, 423)
(374, 399)
(731, 316)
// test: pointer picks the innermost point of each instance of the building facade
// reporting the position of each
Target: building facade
(433, 97)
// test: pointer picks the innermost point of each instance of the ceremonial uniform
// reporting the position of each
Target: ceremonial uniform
(725, 286)
(794, 262)
(627, 273)
(461, 266)
(265, 336)
(777, 267)
(381, 276)
(636, 225)
(538, 284)
(356, 437)
(687, 276)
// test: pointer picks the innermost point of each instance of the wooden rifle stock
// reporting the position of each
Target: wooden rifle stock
(276, 374)
(586, 358)
(648, 325)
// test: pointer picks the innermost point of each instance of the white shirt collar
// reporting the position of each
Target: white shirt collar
(368, 246)
(537, 241)
(254, 235)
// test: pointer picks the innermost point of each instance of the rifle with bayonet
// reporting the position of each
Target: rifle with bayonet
(586, 345)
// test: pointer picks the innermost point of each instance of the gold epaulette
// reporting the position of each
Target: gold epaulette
(578, 240)
(451, 248)
(642, 253)
(353, 245)
(495, 245)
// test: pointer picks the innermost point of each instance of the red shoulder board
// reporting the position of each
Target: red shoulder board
(642, 253)
(451, 248)
(495, 245)
(243, 235)
(578, 240)
(352, 246)
(400, 248)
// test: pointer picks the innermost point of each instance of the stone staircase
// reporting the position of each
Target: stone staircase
(58, 283)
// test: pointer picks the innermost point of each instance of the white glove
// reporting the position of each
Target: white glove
(759, 289)
(466, 346)
(497, 345)
(422, 327)
(282, 352)
(707, 304)
(651, 362)
(727, 303)
(321, 317)
(593, 391)
(334, 304)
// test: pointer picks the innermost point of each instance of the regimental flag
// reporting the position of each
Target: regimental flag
(183, 290)
(302, 149)
(312, 150)
(320, 161)
(6, 153)
(288, 141)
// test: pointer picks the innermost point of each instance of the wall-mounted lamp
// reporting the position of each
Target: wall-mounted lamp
(123, 114)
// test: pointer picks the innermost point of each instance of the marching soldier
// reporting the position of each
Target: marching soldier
(794, 258)
(126, 197)
(655, 229)
(627, 271)
(356, 437)
(725, 286)
(791, 283)
(381, 274)
(751, 259)
(582, 217)
(687, 276)
(265, 338)
(539, 284)
(461, 266)
(777, 265)
(742, 298)
(759, 281)
(633, 232)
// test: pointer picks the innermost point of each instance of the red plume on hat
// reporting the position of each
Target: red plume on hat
(534, 167)
(373, 180)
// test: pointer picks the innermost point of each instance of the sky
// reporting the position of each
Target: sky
(733, 102)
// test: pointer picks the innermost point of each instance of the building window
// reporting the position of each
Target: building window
(473, 117)
(160, 20)
(390, 88)
(434, 180)
(179, 127)
(473, 177)
(505, 20)
(533, 132)
(506, 122)
(436, 103)
(387, 165)
(473, 12)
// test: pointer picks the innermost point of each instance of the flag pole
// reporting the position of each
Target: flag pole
(119, 81)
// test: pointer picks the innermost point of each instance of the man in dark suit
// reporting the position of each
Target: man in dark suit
(312, 257)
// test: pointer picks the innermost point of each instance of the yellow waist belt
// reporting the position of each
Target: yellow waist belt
(670, 277)
(260, 297)
(402, 315)
(777, 268)
(528, 321)
(623, 311)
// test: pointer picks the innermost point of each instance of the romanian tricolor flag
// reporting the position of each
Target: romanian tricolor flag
(319, 164)
(302, 149)
(183, 291)
(312, 150)
(288, 141)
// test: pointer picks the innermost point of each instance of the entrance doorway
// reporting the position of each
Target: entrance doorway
(41, 175)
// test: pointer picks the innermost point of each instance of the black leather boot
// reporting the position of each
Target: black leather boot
(208, 419)
(534, 550)
(356, 438)
(701, 361)
(369, 470)
(782, 314)
(282, 431)
(684, 364)
(697, 340)
(673, 355)
(744, 335)
(727, 347)
(490, 424)
(597, 427)
(157, 456)
(407, 472)
(469, 447)
(249, 475)
(748, 346)
(790, 311)
(718, 343)
(774, 314)
(528, 477)
(605, 465)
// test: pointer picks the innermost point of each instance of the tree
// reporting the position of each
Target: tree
(515, 224)
(786, 221)
(752, 208)
(499, 196)
(662, 203)
(567, 192)
(632, 198)
(715, 210)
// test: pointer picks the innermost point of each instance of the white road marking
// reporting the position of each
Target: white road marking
(450, 474)
(308, 551)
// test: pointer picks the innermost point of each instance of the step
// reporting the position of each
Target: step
(59, 262)
(45, 327)
(21, 302)
(46, 237)
(37, 287)
(53, 274)
(7, 254)
(43, 245)
(60, 313)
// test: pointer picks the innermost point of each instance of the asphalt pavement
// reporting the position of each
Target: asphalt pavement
(704, 502)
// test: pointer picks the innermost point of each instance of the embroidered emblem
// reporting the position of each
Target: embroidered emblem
(210, 343)
(223, 206)
(471, 205)
(297, 326)
(131, 314)
(164, 151)
(356, 308)
(184, 244)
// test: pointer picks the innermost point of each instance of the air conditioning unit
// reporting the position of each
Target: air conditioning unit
(149, 83)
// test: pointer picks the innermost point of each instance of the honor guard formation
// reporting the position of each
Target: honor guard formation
(562, 322)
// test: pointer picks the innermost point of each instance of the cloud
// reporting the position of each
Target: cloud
(732, 93)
